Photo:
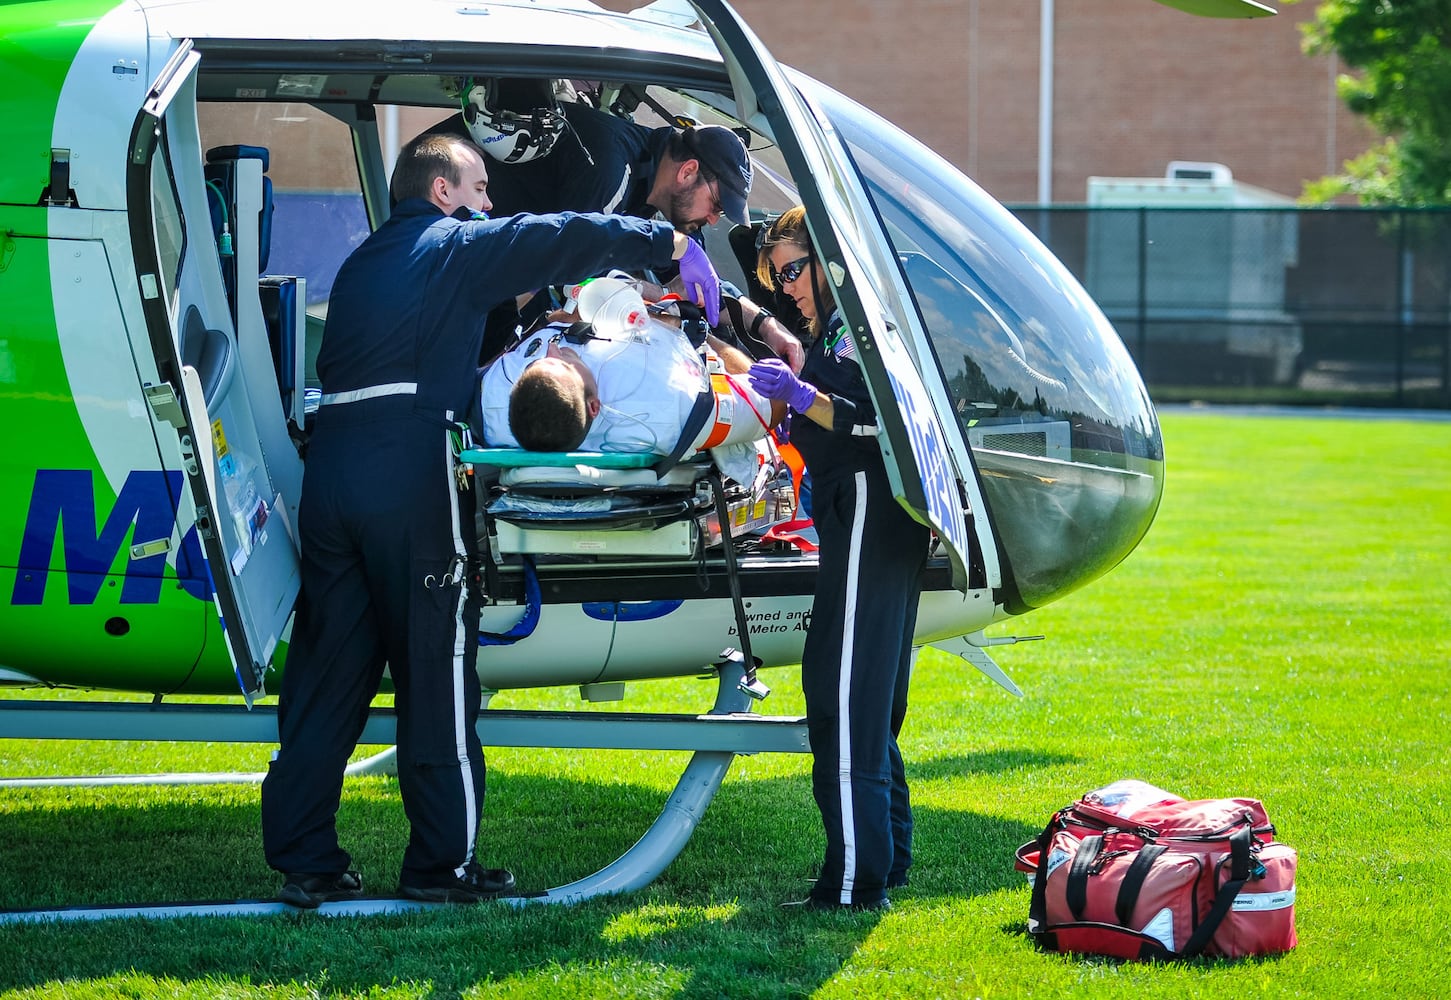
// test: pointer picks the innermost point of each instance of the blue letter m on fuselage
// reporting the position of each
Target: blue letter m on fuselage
(64, 501)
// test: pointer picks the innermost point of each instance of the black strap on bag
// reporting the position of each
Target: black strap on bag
(1038, 901)
(1128, 892)
(1077, 888)
(1239, 852)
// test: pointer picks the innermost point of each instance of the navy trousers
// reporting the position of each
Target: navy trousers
(387, 539)
(855, 671)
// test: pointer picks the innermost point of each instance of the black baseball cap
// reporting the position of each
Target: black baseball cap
(722, 153)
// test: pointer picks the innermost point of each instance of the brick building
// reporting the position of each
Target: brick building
(1136, 85)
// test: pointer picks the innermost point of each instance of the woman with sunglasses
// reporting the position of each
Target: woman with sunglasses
(857, 659)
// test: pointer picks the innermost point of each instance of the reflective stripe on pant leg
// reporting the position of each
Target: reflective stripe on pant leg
(843, 695)
(462, 717)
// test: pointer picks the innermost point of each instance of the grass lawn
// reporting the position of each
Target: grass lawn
(1281, 633)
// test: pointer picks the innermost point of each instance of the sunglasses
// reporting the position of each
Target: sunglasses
(713, 185)
(791, 271)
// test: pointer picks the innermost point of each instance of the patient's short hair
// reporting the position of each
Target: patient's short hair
(548, 413)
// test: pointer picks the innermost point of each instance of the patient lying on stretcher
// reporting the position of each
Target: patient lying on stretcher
(645, 390)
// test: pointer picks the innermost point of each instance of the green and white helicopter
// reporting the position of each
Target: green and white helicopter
(181, 180)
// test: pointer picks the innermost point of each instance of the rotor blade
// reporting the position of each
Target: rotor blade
(1221, 8)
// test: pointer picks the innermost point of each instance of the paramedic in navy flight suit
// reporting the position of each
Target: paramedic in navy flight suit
(857, 661)
(387, 534)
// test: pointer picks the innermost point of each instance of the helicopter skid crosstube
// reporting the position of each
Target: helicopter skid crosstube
(734, 732)
(728, 729)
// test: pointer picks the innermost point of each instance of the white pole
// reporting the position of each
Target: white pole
(390, 137)
(1045, 104)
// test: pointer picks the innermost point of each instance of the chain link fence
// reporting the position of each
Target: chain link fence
(1326, 306)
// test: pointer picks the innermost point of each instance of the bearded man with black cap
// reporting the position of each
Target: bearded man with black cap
(689, 176)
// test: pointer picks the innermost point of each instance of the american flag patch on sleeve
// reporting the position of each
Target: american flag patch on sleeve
(840, 344)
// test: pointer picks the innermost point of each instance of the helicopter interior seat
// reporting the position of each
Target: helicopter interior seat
(240, 199)
(231, 223)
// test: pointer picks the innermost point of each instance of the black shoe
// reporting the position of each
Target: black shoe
(477, 884)
(812, 903)
(311, 891)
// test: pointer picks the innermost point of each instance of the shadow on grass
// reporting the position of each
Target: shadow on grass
(710, 925)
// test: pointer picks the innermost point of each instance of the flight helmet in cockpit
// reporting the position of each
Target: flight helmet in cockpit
(513, 120)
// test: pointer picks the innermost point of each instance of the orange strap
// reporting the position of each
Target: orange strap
(794, 462)
(720, 386)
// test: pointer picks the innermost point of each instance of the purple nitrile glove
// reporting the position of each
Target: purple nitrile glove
(774, 379)
(698, 275)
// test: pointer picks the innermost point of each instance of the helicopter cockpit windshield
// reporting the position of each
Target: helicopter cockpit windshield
(1064, 437)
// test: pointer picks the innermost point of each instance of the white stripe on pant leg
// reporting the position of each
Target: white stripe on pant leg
(843, 691)
(461, 717)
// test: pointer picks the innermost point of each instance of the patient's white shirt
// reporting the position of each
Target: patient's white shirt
(648, 381)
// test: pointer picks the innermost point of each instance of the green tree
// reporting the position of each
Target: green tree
(1402, 87)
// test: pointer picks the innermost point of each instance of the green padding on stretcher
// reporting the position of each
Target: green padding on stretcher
(514, 458)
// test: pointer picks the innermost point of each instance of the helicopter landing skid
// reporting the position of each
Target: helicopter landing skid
(716, 738)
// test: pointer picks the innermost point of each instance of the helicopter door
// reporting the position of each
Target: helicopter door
(927, 461)
(243, 473)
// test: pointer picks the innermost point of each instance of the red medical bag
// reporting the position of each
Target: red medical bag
(1132, 871)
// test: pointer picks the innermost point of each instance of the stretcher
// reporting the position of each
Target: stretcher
(606, 504)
